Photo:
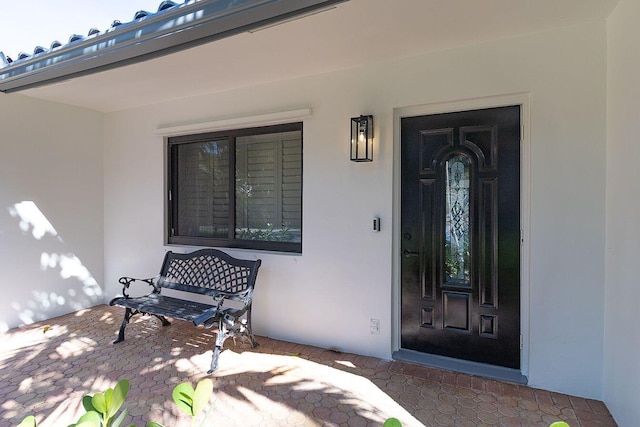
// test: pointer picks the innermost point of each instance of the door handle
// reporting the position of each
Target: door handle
(407, 252)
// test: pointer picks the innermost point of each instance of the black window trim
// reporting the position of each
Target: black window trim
(231, 241)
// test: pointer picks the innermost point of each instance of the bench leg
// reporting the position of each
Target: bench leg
(163, 319)
(214, 359)
(230, 330)
(221, 335)
(127, 316)
(249, 330)
(254, 343)
(248, 333)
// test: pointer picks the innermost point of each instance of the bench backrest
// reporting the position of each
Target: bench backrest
(209, 272)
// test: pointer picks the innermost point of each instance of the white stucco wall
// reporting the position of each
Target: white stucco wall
(344, 276)
(51, 206)
(622, 338)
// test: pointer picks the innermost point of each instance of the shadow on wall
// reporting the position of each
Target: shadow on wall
(44, 279)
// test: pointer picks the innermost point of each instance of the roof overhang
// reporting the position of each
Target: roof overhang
(186, 25)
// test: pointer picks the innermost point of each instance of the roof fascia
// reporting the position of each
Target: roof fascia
(187, 25)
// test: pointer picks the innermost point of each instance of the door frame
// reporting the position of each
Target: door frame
(523, 100)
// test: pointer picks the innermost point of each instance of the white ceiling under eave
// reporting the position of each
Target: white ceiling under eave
(352, 34)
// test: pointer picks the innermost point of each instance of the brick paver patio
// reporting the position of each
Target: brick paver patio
(46, 369)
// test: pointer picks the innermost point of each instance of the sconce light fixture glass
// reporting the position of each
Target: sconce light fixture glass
(362, 139)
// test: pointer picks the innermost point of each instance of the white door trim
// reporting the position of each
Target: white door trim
(522, 99)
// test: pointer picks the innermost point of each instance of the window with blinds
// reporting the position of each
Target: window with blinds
(240, 188)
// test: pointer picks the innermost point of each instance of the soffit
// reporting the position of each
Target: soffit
(173, 28)
(354, 33)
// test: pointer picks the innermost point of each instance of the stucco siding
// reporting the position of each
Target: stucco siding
(345, 275)
(622, 338)
(51, 206)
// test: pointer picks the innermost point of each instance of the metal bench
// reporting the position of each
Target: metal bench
(207, 272)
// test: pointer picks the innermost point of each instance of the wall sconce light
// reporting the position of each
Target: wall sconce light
(362, 139)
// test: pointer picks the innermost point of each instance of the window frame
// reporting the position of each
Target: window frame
(171, 208)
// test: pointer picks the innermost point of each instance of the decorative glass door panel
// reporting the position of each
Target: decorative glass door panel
(457, 236)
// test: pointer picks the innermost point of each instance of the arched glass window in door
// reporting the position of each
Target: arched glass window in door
(457, 236)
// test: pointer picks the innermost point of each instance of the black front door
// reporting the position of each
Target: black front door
(461, 235)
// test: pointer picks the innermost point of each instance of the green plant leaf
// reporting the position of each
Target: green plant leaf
(392, 422)
(117, 398)
(87, 404)
(201, 395)
(98, 401)
(154, 424)
(107, 399)
(118, 421)
(90, 419)
(183, 396)
(30, 421)
(559, 424)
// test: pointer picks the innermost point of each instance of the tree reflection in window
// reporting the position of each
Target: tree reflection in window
(457, 235)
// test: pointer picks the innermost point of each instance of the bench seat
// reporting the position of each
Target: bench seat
(162, 305)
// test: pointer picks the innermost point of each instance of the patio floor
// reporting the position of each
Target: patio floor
(46, 369)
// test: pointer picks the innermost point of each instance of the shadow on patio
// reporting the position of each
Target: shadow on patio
(277, 384)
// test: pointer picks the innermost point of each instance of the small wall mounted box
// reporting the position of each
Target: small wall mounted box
(376, 224)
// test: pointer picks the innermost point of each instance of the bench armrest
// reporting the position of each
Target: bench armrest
(244, 296)
(230, 314)
(206, 315)
(127, 281)
(213, 311)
